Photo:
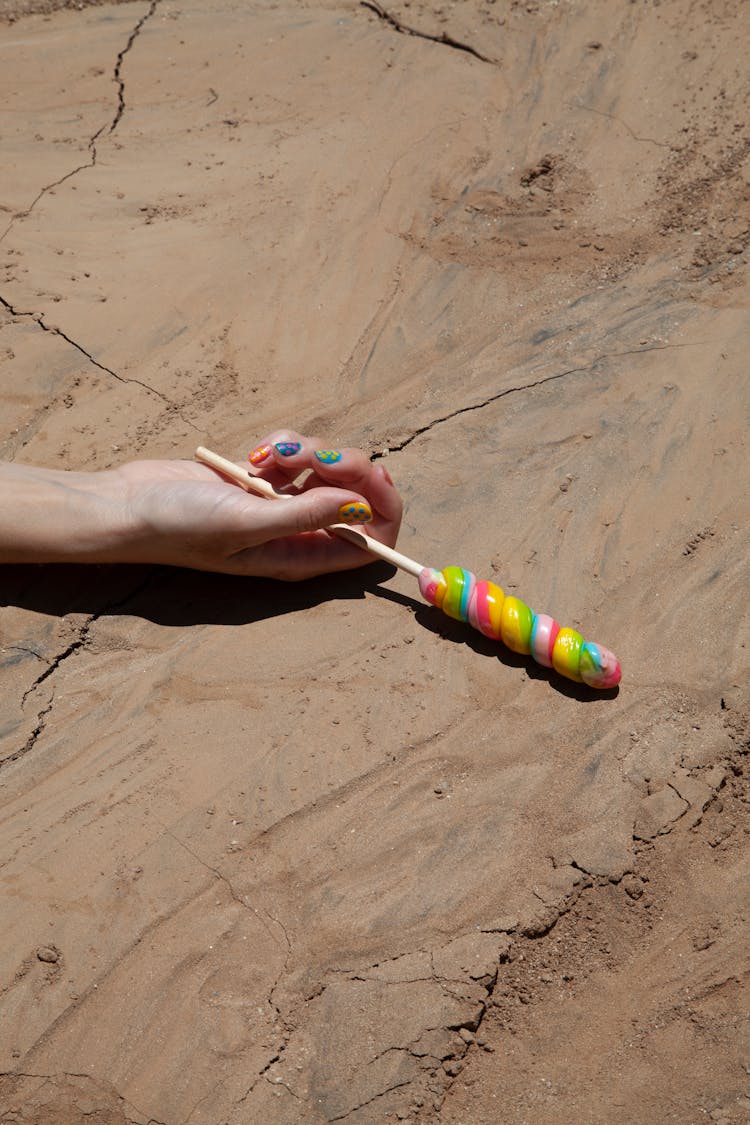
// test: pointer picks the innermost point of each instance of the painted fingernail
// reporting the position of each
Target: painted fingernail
(355, 512)
(328, 456)
(259, 455)
(288, 448)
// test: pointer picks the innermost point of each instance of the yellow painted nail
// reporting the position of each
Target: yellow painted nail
(355, 511)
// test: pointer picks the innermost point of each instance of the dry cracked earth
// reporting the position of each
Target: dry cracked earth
(275, 854)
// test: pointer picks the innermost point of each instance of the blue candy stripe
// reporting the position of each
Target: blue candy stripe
(467, 578)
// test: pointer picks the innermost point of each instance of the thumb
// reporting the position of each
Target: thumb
(316, 509)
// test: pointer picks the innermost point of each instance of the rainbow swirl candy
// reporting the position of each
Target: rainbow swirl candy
(485, 606)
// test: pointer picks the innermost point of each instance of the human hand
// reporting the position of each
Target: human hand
(187, 515)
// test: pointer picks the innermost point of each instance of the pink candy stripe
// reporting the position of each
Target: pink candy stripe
(543, 636)
(428, 584)
(479, 611)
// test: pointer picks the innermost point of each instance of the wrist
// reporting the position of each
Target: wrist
(52, 516)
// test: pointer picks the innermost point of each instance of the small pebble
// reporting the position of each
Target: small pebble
(48, 954)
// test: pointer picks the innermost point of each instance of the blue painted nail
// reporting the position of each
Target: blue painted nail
(328, 456)
(288, 448)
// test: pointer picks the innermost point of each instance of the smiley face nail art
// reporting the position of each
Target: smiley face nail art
(288, 448)
(328, 456)
(355, 512)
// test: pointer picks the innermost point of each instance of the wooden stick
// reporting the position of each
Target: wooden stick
(247, 480)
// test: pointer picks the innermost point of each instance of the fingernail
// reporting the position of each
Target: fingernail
(386, 474)
(355, 512)
(288, 448)
(328, 456)
(262, 453)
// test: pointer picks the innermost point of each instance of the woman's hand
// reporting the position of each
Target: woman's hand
(185, 514)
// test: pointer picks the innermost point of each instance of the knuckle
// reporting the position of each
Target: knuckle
(312, 513)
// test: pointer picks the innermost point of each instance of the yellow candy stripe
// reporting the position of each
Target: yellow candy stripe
(566, 654)
(495, 602)
(440, 592)
(515, 625)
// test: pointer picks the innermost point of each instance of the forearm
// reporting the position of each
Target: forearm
(52, 516)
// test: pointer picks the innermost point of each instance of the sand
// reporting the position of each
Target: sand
(276, 854)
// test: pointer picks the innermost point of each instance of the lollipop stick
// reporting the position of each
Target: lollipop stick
(245, 479)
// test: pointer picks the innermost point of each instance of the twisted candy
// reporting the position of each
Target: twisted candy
(485, 606)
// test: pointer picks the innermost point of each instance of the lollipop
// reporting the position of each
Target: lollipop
(505, 618)
(482, 604)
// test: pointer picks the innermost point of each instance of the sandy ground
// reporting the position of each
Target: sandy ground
(313, 854)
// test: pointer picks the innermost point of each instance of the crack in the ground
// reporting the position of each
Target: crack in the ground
(80, 642)
(444, 38)
(210, 1096)
(426, 1058)
(263, 1072)
(238, 898)
(279, 1082)
(620, 121)
(118, 67)
(443, 982)
(511, 391)
(41, 722)
(47, 188)
(377, 964)
(89, 1078)
(106, 128)
(374, 1098)
(243, 902)
(55, 330)
(598, 883)
(410, 1049)
(687, 804)
(54, 664)
(284, 969)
